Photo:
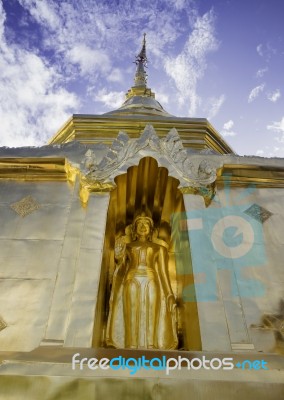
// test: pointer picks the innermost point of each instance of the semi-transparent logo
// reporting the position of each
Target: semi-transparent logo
(221, 238)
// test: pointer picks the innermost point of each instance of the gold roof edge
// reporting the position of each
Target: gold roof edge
(263, 176)
(33, 169)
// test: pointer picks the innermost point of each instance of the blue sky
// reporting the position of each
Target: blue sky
(222, 60)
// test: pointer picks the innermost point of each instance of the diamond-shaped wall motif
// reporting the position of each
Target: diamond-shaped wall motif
(259, 213)
(3, 324)
(25, 206)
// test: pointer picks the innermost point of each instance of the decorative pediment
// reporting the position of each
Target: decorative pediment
(169, 152)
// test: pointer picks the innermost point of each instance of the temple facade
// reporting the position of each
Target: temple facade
(136, 234)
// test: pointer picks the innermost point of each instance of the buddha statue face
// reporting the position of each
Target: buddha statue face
(143, 227)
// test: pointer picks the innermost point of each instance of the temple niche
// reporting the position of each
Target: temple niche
(152, 298)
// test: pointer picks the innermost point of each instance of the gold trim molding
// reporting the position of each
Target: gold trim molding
(33, 169)
(262, 176)
(195, 133)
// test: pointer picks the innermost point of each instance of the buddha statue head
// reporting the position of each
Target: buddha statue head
(142, 227)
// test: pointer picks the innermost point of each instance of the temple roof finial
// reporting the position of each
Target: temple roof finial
(142, 55)
(140, 99)
(140, 78)
(139, 93)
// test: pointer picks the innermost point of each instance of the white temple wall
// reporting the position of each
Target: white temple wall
(30, 252)
(50, 264)
(259, 273)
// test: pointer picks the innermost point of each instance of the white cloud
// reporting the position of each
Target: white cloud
(215, 103)
(47, 12)
(179, 4)
(260, 152)
(259, 49)
(227, 129)
(115, 75)
(228, 133)
(266, 50)
(105, 25)
(261, 72)
(277, 126)
(33, 103)
(189, 66)
(161, 97)
(2, 19)
(255, 92)
(88, 59)
(112, 100)
(274, 96)
(228, 125)
(43, 11)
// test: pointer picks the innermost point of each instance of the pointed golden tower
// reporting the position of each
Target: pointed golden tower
(140, 100)
(140, 109)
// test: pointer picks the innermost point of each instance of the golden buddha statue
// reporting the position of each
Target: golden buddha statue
(142, 305)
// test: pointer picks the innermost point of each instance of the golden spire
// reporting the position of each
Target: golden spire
(140, 78)
(142, 55)
(140, 99)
